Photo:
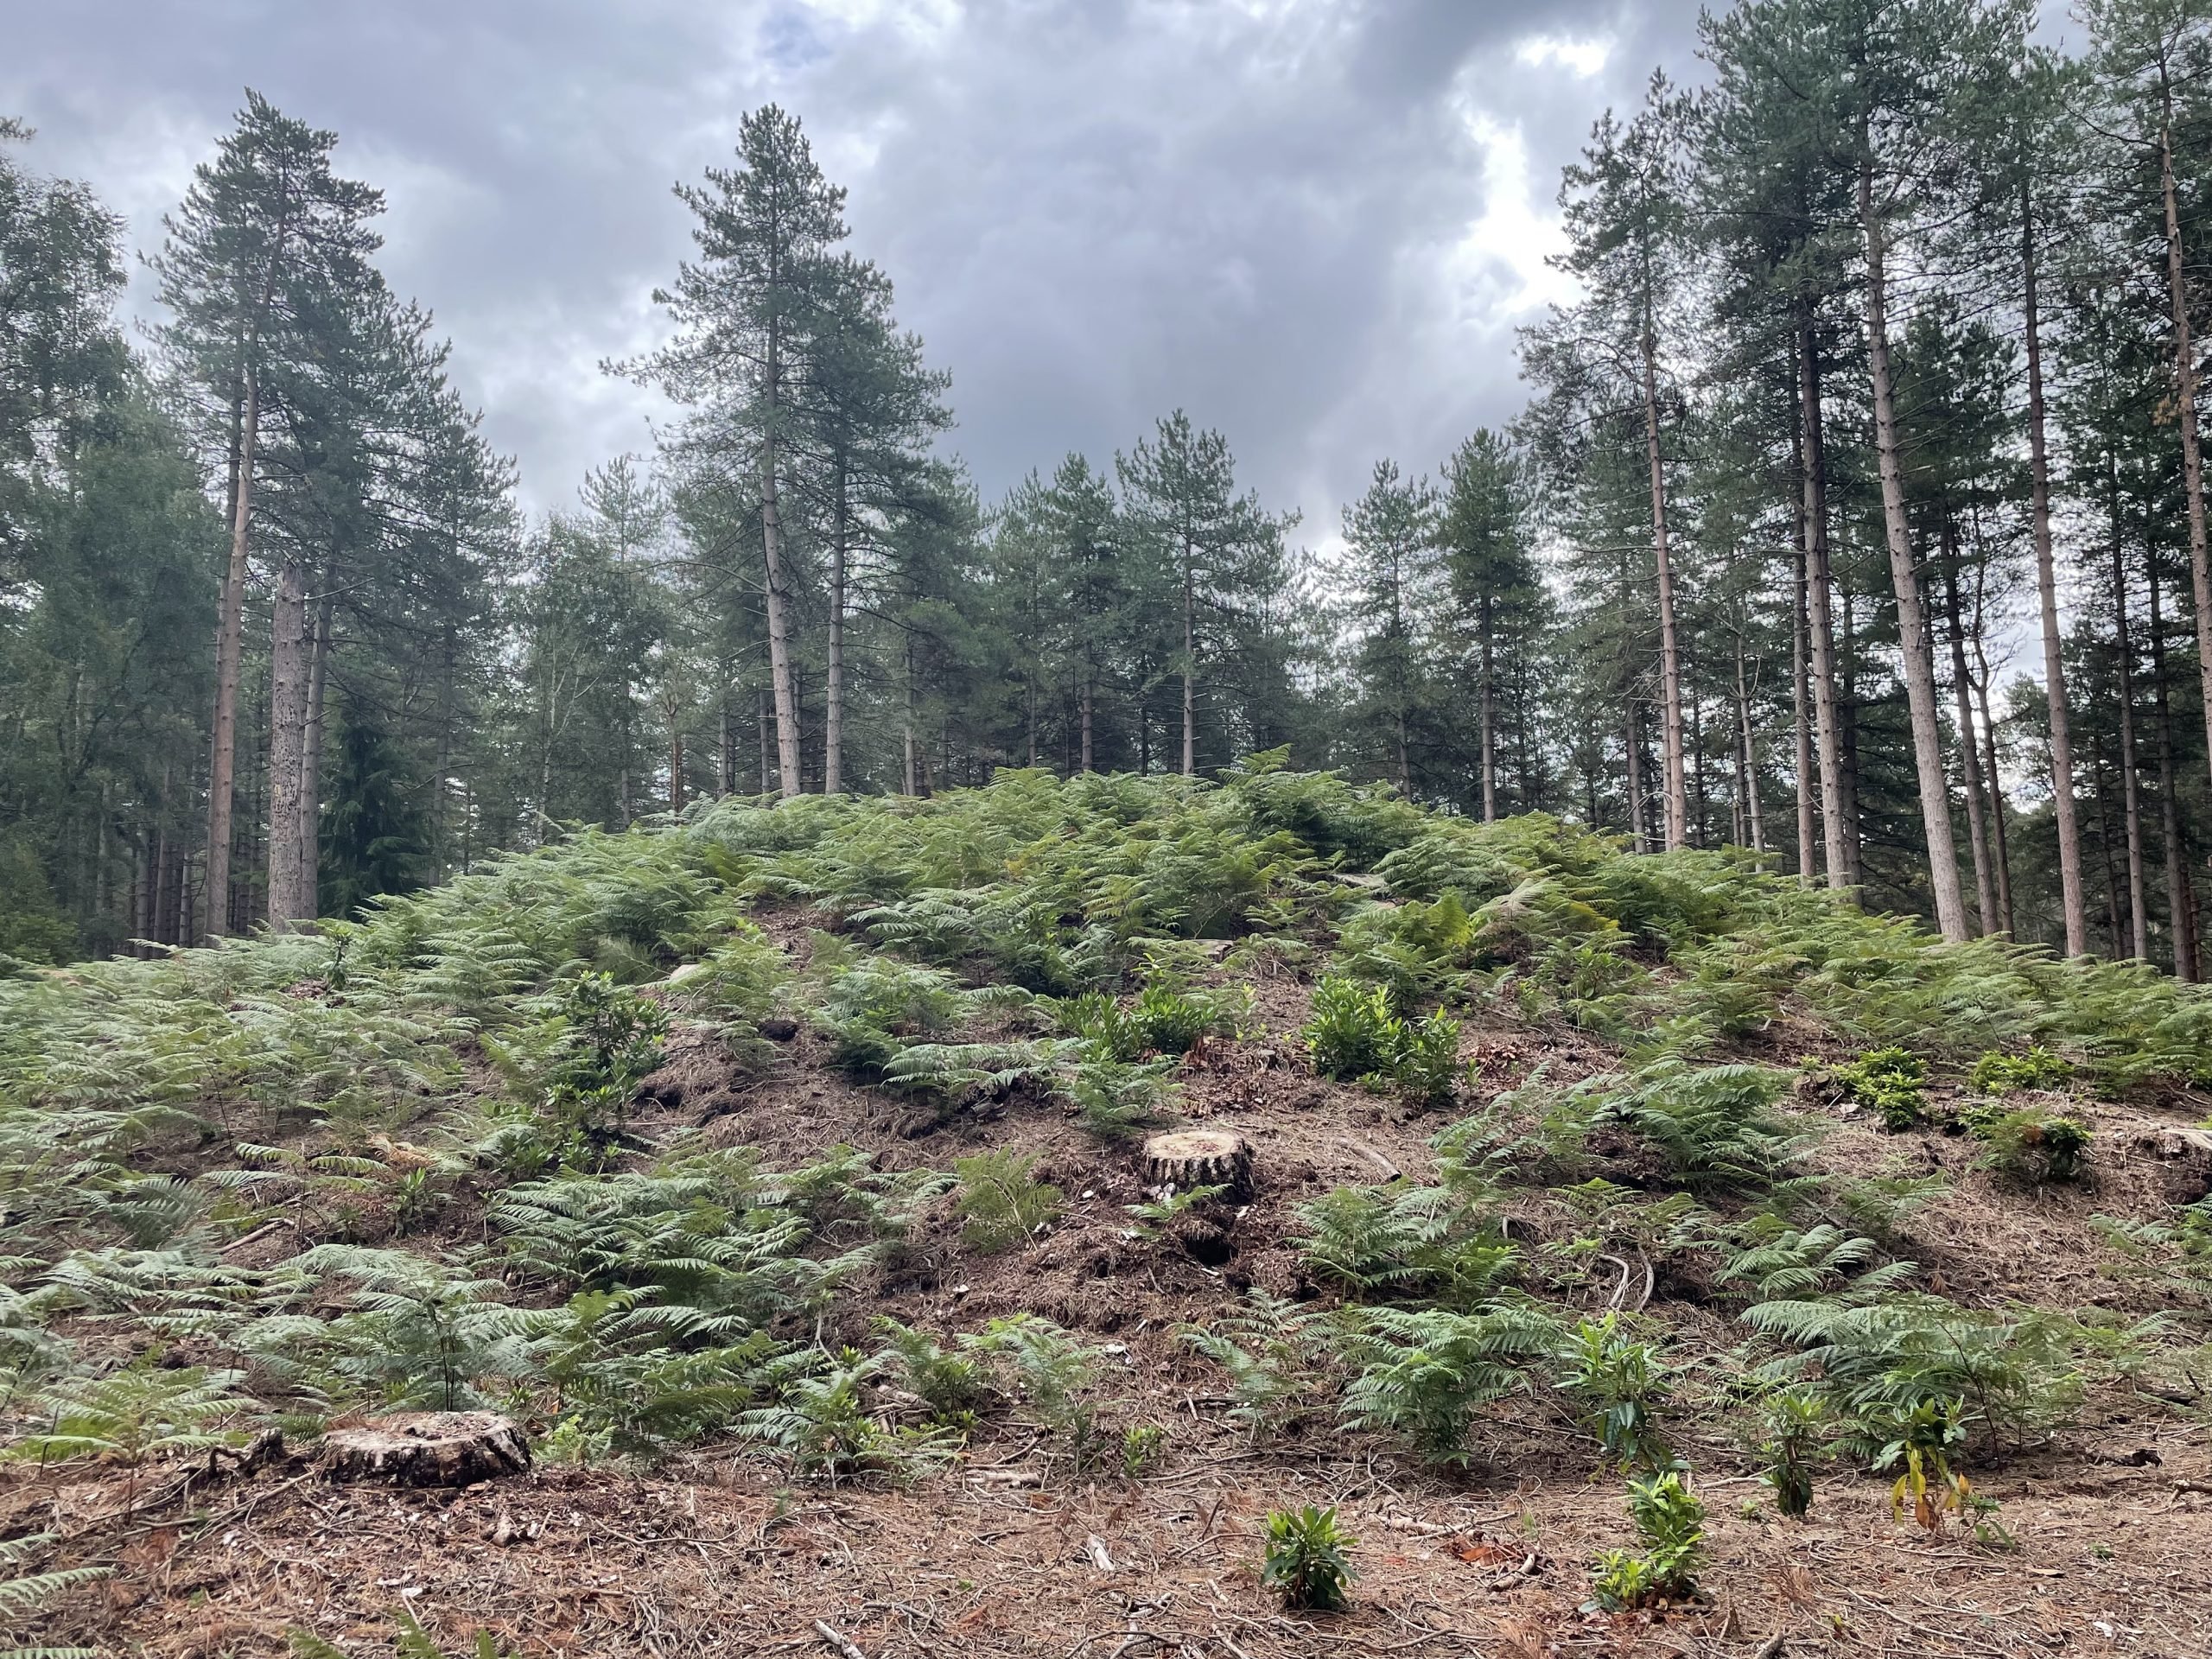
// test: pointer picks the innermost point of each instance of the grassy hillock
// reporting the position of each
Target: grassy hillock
(803, 1135)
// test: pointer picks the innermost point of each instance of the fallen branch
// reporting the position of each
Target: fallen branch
(844, 1644)
(1390, 1171)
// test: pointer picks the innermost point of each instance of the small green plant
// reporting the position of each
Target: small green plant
(1155, 1216)
(1307, 1563)
(414, 1201)
(31, 1591)
(1166, 1021)
(820, 1420)
(576, 1444)
(1892, 1082)
(1142, 1446)
(952, 1384)
(1114, 1098)
(1923, 1441)
(1423, 1373)
(1001, 1202)
(2030, 1146)
(1795, 1422)
(1999, 1073)
(1353, 1035)
(1425, 1060)
(1055, 1373)
(1618, 1381)
(1268, 1351)
(1669, 1520)
(610, 1038)
(1352, 1032)
(413, 1641)
(132, 1416)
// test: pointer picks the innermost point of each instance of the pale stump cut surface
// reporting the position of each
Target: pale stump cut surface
(428, 1448)
(1184, 1158)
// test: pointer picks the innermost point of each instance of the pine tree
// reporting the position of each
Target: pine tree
(265, 238)
(749, 315)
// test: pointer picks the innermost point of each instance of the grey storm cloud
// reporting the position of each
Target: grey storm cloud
(1313, 226)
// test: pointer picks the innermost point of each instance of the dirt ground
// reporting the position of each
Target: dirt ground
(1006, 1551)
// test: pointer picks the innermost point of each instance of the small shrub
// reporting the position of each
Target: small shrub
(1618, 1381)
(1670, 1523)
(821, 1421)
(1354, 1036)
(1114, 1098)
(1892, 1082)
(2030, 1146)
(1165, 1020)
(1154, 1216)
(1423, 1373)
(1055, 1373)
(1793, 1420)
(1352, 1032)
(1306, 1563)
(610, 1038)
(1425, 1060)
(1001, 1202)
(1269, 1354)
(952, 1384)
(1998, 1073)
(1142, 1445)
(576, 1444)
(416, 1201)
(1924, 1439)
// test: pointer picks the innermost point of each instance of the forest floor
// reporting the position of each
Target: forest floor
(2105, 1529)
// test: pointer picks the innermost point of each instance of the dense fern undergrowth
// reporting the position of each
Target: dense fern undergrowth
(476, 1050)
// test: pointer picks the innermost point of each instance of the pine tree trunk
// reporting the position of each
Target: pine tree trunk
(2053, 665)
(1488, 715)
(675, 762)
(1846, 719)
(2139, 908)
(1750, 751)
(2181, 902)
(779, 594)
(1996, 780)
(1634, 740)
(1912, 628)
(2117, 945)
(911, 778)
(1802, 730)
(310, 823)
(1189, 666)
(725, 746)
(765, 721)
(230, 652)
(1676, 804)
(2192, 459)
(1985, 879)
(833, 729)
(1819, 619)
(1085, 707)
(288, 716)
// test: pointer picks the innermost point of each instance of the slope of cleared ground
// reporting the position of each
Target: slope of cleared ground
(781, 1173)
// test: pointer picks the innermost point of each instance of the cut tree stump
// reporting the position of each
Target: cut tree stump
(1184, 1158)
(428, 1448)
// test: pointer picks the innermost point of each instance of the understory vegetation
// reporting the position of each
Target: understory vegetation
(430, 1128)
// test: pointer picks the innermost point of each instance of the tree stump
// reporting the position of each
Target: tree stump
(1184, 1158)
(428, 1448)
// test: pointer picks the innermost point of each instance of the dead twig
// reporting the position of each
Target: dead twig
(842, 1643)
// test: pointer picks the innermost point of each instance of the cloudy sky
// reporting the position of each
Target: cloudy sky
(1314, 224)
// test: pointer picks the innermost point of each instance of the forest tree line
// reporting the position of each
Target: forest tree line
(1856, 517)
